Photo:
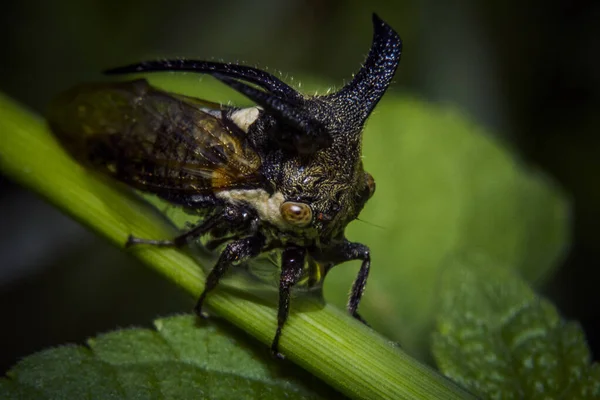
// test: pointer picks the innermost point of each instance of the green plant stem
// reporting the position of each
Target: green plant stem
(326, 342)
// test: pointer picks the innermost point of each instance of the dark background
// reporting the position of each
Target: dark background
(527, 70)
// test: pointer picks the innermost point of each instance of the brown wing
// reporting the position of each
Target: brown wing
(152, 140)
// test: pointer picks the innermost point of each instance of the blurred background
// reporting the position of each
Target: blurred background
(526, 70)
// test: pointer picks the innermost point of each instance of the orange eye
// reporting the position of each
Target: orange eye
(298, 214)
(370, 183)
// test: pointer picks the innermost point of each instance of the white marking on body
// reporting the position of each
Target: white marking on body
(267, 207)
(245, 117)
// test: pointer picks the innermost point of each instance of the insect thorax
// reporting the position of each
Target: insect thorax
(330, 181)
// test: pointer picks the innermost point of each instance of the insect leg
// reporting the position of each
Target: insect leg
(181, 239)
(348, 251)
(292, 263)
(358, 251)
(235, 252)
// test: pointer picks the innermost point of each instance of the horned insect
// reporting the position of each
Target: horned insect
(283, 175)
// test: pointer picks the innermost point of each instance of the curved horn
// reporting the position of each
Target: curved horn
(363, 93)
(250, 74)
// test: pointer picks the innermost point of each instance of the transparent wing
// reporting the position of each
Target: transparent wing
(153, 140)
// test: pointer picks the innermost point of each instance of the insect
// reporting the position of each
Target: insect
(284, 175)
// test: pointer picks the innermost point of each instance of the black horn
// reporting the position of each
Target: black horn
(249, 74)
(304, 123)
(361, 95)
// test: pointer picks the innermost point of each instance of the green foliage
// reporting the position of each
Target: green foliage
(444, 186)
(496, 337)
(180, 360)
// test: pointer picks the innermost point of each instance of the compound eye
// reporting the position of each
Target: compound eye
(370, 183)
(298, 214)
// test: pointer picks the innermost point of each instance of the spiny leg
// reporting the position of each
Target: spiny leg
(358, 251)
(292, 264)
(180, 240)
(348, 251)
(228, 220)
(238, 251)
(224, 219)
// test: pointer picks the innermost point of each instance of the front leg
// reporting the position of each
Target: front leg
(236, 252)
(229, 221)
(181, 239)
(223, 219)
(292, 264)
(348, 251)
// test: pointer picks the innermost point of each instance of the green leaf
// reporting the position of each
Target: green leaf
(443, 185)
(180, 360)
(501, 340)
(320, 338)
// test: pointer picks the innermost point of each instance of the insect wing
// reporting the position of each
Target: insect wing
(153, 140)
